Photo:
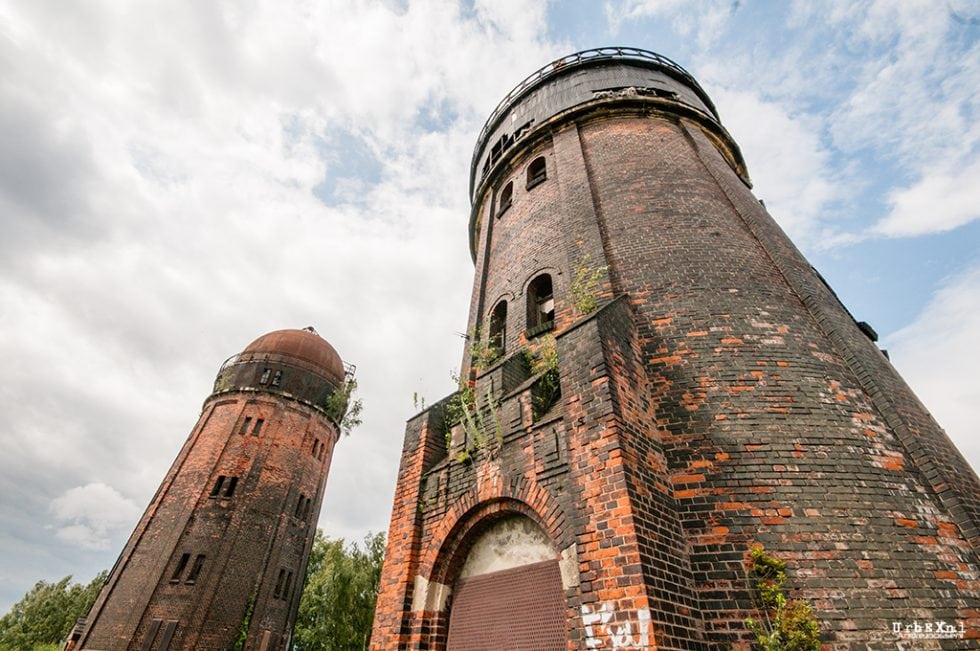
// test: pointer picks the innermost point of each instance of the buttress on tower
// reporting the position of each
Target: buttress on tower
(220, 554)
(656, 381)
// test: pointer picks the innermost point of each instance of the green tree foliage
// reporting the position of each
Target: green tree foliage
(337, 607)
(790, 625)
(46, 614)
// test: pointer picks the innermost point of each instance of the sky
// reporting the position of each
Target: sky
(180, 177)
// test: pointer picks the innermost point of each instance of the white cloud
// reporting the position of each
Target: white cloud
(941, 201)
(786, 159)
(159, 214)
(703, 20)
(913, 101)
(92, 514)
(938, 355)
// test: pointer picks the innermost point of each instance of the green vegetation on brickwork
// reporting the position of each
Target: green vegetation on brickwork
(584, 286)
(342, 408)
(789, 625)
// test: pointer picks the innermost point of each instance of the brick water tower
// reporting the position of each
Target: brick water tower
(219, 556)
(655, 382)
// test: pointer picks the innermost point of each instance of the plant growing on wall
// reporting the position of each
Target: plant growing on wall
(544, 363)
(246, 622)
(790, 625)
(462, 409)
(342, 408)
(483, 353)
(584, 286)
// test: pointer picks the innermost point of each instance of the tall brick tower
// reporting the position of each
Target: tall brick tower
(221, 550)
(656, 381)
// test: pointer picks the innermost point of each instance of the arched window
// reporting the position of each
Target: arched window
(540, 305)
(506, 198)
(498, 328)
(536, 172)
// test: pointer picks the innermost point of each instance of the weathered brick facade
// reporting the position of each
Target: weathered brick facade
(221, 550)
(719, 397)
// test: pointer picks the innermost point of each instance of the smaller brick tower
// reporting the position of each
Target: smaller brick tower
(221, 550)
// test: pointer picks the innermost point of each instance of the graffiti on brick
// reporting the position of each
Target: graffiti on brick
(601, 632)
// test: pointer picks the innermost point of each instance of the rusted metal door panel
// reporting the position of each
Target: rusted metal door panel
(521, 609)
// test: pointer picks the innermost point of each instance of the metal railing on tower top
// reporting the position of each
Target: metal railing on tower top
(558, 65)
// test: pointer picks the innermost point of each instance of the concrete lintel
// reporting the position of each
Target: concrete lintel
(568, 566)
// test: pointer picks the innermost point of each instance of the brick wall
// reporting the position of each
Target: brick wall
(263, 528)
(720, 398)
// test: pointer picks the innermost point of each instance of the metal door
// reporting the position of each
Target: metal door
(520, 609)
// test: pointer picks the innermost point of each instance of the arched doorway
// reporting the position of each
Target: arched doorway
(509, 592)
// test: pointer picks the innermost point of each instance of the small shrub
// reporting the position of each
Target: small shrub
(790, 625)
(584, 286)
(547, 389)
(342, 408)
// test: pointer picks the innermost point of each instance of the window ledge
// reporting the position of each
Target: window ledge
(540, 329)
(536, 181)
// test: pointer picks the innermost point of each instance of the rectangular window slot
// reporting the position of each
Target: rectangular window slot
(299, 506)
(316, 445)
(278, 590)
(217, 485)
(258, 427)
(245, 424)
(277, 378)
(181, 565)
(265, 376)
(289, 584)
(151, 635)
(304, 508)
(168, 634)
(195, 569)
(232, 484)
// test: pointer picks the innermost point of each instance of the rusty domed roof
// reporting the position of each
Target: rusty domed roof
(304, 347)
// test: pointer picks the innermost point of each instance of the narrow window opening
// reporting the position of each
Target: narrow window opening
(498, 328)
(506, 198)
(245, 424)
(306, 508)
(299, 506)
(181, 565)
(151, 634)
(195, 569)
(265, 376)
(277, 378)
(540, 306)
(323, 452)
(278, 590)
(217, 485)
(289, 584)
(258, 427)
(536, 172)
(232, 484)
(168, 633)
(316, 447)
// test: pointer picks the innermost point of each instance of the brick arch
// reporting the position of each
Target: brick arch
(508, 296)
(476, 510)
(554, 272)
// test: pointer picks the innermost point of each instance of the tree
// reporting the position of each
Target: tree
(42, 619)
(336, 610)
